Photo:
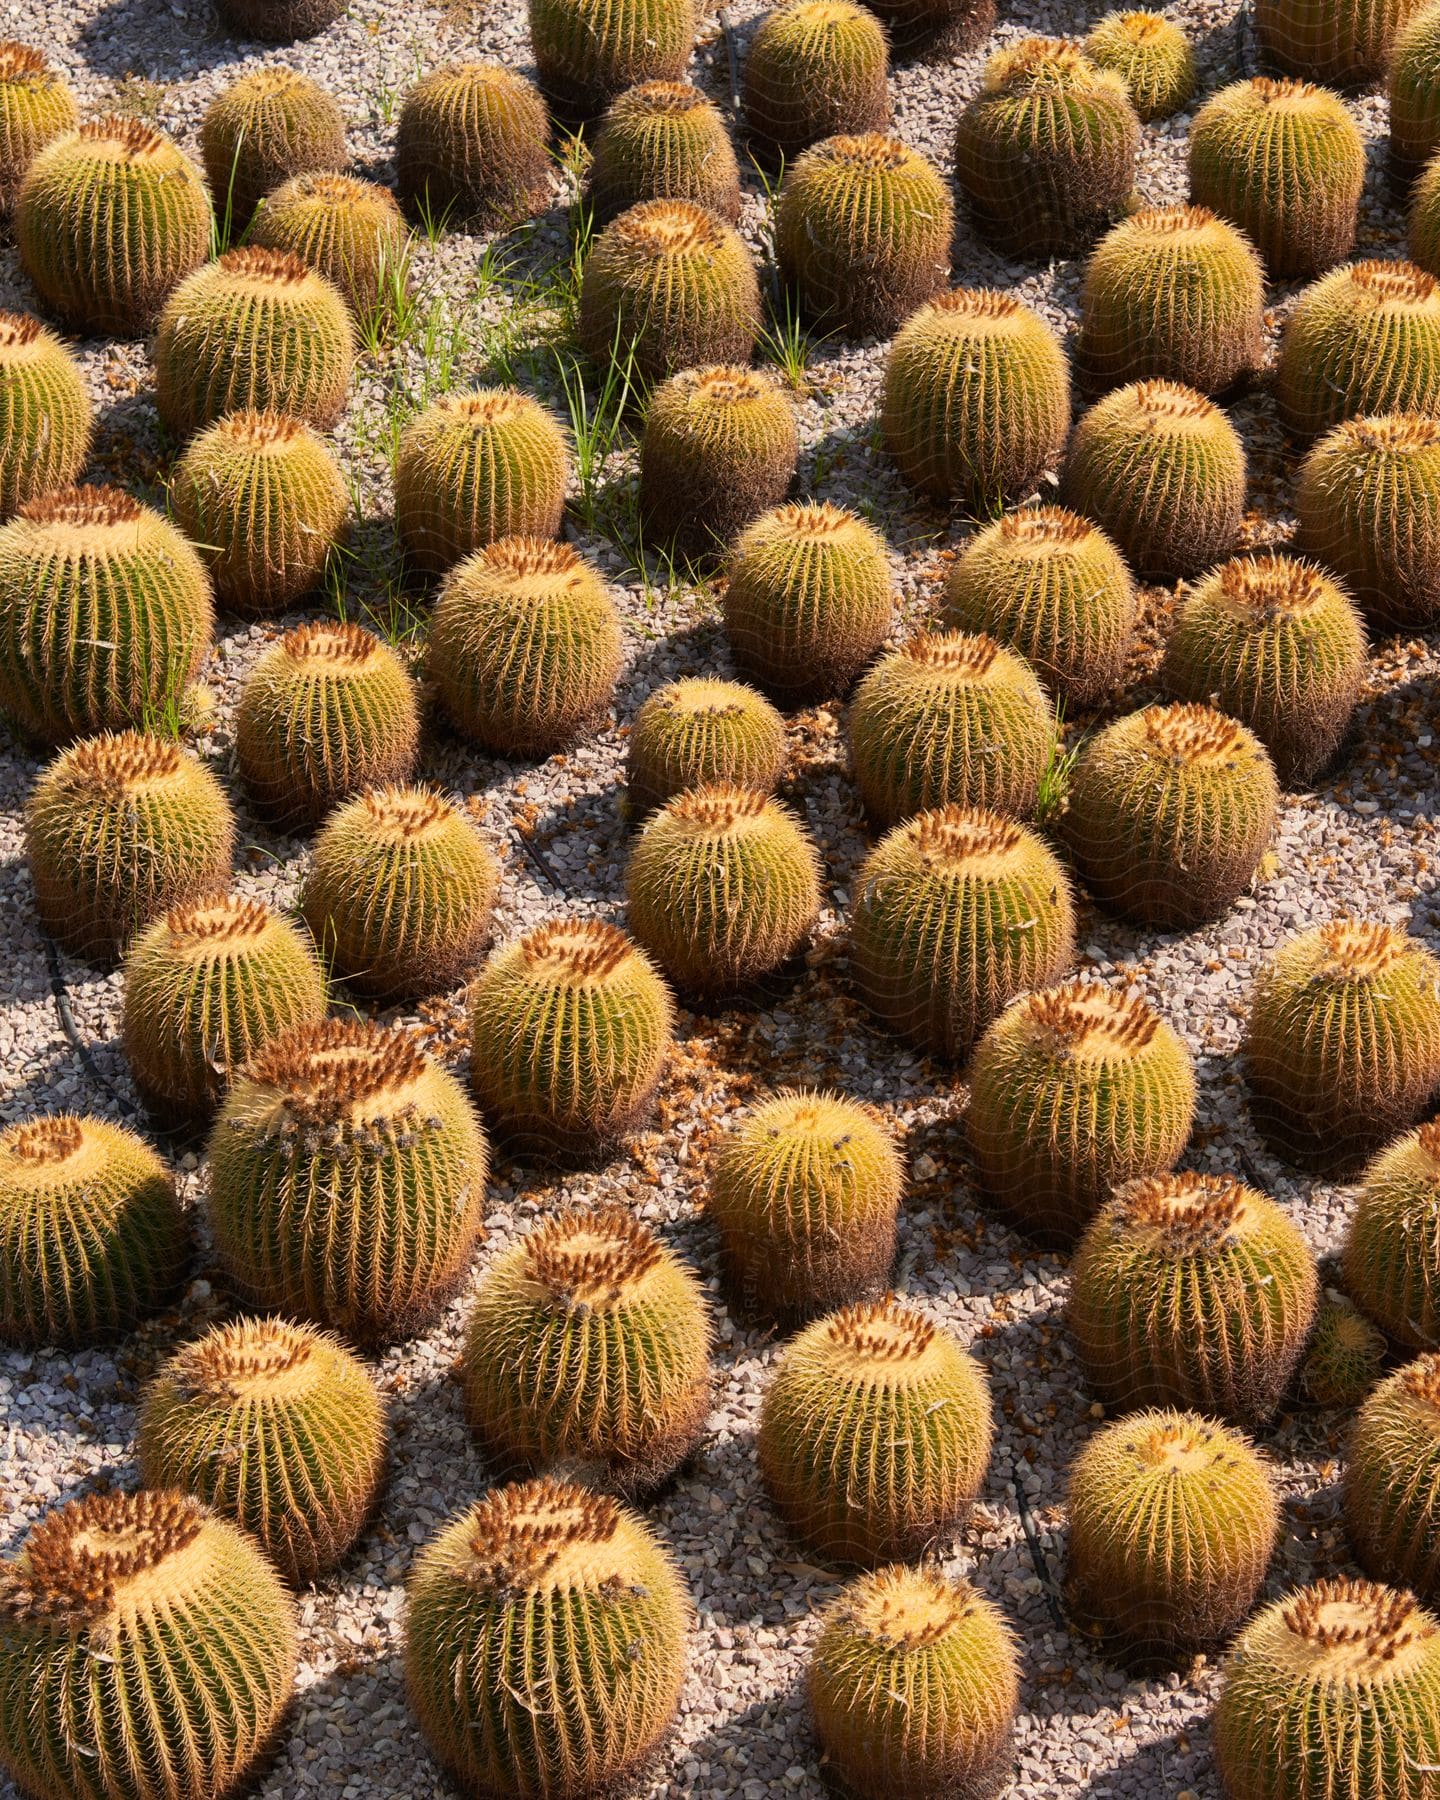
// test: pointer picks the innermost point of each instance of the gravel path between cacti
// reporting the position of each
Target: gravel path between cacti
(1362, 842)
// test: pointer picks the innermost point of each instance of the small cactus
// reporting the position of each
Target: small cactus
(535, 1578)
(92, 1238)
(1335, 1688)
(1172, 293)
(1285, 162)
(472, 148)
(1272, 641)
(1045, 152)
(1162, 470)
(118, 829)
(276, 1426)
(1170, 811)
(349, 231)
(205, 987)
(400, 893)
(808, 601)
(976, 398)
(668, 286)
(92, 566)
(46, 418)
(324, 714)
(264, 501)
(956, 912)
(815, 68)
(1392, 1480)
(1075, 1090)
(476, 467)
(1345, 1357)
(875, 1435)
(930, 26)
(913, 1686)
(267, 126)
(949, 720)
(862, 233)
(1052, 587)
(1190, 1290)
(1151, 56)
(255, 330)
(1392, 1246)
(1173, 1521)
(805, 1192)
(588, 1348)
(525, 646)
(719, 446)
(347, 1180)
(147, 1649)
(1343, 43)
(723, 887)
(570, 1028)
(1367, 506)
(1364, 339)
(1342, 1049)
(279, 21)
(111, 217)
(1414, 88)
(700, 732)
(663, 140)
(588, 52)
(36, 105)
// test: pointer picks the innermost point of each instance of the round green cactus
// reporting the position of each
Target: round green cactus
(267, 126)
(473, 148)
(1170, 811)
(1342, 1049)
(1173, 1521)
(1343, 43)
(588, 1348)
(945, 26)
(205, 987)
(1392, 1480)
(1162, 469)
(976, 398)
(92, 1238)
(949, 720)
(111, 217)
(46, 418)
(720, 446)
(723, 887)
(1392, 1248)
(1275, 643)
(668, 286)
(1364, 339)
(400, 893)
(700, 732)
(1045, 152)
(351, 232)
(956, 912)
(118, 829)
(536, 1577)
(1172, 293)
(1151, 56)
(1345, 1357)
(1423, 220)
(862, 233)
(805, 1193)
(1335, 1688)
(255, 330)
(663, 140)
(1285, 162)
(326, 713)
(92, 566)
(1414, 92)
(1075, 1090)
(525, 646)
(276, 1426)
(119, 1596)
(1190, 1290)
(476, 467)
(265, 502)
(914, 1686)
(809, 600)
(588, 52)
(347, 1180)
(1051, 586)
(279, 21)
(36, 105)
(815, 68)
(570, 1028)
(875, 1435)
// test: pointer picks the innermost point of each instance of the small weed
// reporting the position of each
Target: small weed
(596, 428)
(1056, 775)
(785, 342)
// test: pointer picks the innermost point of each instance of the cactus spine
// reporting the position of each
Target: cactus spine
(36, 105)
(1414, 91)
(261, 130)
(472, 148)
(816, 68)
(1363, 339)
(663, 140)
(700, 733)
(588, 52)
(351, 232)
(45, 414)
(1392, 1480)
(1150, 55)
(1392, 1247)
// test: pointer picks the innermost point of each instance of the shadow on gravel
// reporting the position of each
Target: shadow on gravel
(140, 37)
